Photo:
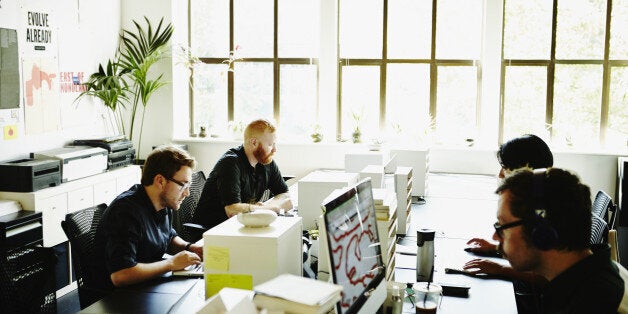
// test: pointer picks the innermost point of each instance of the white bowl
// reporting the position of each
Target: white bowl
(258, 218)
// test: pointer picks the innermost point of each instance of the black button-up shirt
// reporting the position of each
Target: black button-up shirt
(131, 231)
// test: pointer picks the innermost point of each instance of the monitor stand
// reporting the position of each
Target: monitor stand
(375, 299)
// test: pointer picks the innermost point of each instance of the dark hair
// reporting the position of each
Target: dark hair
(566, 201)
(527, 150)
(165, 160)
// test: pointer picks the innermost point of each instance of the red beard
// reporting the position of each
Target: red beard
(261, 157)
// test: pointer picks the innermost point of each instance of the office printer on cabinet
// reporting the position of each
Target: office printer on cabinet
(121, 151)
(29, 175)
(77, 161)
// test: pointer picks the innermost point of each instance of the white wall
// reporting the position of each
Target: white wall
(86, 33)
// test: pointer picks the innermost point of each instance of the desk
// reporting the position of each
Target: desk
(449, 253)
(442, 213)
(167, 294)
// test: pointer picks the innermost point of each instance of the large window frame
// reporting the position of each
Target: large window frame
(491, 68)
(551, 64)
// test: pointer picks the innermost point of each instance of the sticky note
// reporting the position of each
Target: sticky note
(216, 258)
(215, 282)
(10, 132)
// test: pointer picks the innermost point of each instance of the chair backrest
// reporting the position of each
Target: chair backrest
(188, 206)
(28, 280)
(80, 227)
(599, 230)
(601, 205)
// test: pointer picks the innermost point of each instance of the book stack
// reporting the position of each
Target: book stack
(386, 212)
(385, 203)
(295, 294)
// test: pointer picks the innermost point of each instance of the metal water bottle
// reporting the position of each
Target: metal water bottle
(424, 254)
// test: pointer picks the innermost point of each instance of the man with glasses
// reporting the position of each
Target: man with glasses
(244, 178)
(136, 229)
(544, 225)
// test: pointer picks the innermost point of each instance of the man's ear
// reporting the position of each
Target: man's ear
(253, 141)
(160, 181)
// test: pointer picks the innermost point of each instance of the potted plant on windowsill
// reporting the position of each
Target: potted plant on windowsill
(127, 82)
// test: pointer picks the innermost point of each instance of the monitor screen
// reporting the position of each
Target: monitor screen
(353, 244)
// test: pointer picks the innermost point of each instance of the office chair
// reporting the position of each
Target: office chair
(80, 227)
(599, 230)
(28, 280)
(601, 205)
(182, 218)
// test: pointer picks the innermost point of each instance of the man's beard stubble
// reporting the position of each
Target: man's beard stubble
(261, 157)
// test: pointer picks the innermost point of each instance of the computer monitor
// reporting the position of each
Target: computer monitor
(354, 250)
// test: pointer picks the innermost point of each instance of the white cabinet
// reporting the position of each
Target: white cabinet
(53, 210)
(315, 187)
(264, 253)
(105, 192)
(419, 160)
(403, 188)
(56, 202)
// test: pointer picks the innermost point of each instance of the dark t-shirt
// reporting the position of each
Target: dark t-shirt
(131, 232)
(234, 180)
(592, 285)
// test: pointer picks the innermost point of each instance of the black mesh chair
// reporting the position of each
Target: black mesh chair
(599, 230)
(28, 281)
(601, 205)
(80, 228)
(182, 218)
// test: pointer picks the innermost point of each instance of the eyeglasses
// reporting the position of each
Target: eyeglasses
(499, 229)
(182, 185)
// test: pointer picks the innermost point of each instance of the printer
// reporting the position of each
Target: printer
(29, 175)
(77, 161)
(120, 150)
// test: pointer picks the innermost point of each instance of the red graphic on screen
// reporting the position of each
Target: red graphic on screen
(357, 240)
(37, 77)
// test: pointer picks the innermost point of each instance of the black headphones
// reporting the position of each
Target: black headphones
(543, 235)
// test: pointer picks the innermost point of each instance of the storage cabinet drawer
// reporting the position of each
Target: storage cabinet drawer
(80, 199)
(125, 182)
(105, 192)
(53, 211)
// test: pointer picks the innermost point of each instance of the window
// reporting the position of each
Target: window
(560, 67)
(259, 60)
(401, 69)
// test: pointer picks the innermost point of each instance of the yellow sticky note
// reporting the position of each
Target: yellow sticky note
(216, 258)
(10, 132)
(215, 282)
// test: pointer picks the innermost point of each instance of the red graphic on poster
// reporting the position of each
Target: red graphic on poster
(37, 77)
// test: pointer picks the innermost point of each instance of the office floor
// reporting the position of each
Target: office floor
(69, 303)
(477, 212)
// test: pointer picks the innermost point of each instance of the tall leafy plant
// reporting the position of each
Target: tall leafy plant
(139, 51)
(126, 82)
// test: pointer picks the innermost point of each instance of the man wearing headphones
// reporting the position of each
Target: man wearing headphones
(544, 225)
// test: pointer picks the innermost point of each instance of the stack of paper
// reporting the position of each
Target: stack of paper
(296, 294)
(385, 203)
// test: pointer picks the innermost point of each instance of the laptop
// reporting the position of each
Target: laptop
(190, 271)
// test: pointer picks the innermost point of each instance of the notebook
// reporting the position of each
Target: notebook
(190, 271)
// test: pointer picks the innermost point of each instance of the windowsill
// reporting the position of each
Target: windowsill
(385, 146)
